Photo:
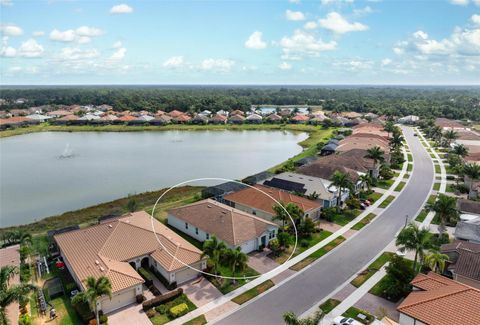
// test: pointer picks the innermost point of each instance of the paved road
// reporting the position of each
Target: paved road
(315, 283)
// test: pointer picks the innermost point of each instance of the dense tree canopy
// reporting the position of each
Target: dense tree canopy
(450, 102)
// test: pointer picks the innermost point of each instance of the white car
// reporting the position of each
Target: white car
(340, 320)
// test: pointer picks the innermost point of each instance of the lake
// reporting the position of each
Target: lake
(36, 183)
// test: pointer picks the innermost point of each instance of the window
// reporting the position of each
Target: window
(207, 236)
(196, 231)
(186, 225)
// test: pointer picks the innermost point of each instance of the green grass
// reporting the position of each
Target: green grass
(422, 215)
(342, 219)
(385, 183)
(226, 285)
(436, 186)
(372, 269)
(409, 167)
(449, 188)
(329, 305)
(365, 221)
(400, 186)
(437, 169)
(160, 319)
(432, 155)
(410, 157)
(387, 201)
(198, 244)
(317, 254)
(353, 312)
(65, 311)
(314, 239)
(199, 320)
(431, 199)
(374, 196)
(252, 293)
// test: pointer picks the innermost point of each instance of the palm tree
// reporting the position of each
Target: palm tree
(389, 127)
(446, 209)
(295, 212)
(94, 289)
(436, 261)
(341, 181)
(473, 172)
(396, 141)
(460, 150)
(280, 214)
(11, 293)
(17, 237)
(376, 154)
(291, 319)
(449, 136)
(237, 260)
(412, 238)
(367, 180)
(213, 248)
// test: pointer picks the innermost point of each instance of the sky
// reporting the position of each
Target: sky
(318, 42)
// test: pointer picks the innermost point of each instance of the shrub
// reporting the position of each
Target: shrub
(284, 239)
(162, 299)
(178, 310)
(140, 298)
(353, 203)
(145, 274)
(386, 173)
(103, 319)
(328, 214)
(151, 313)
(162, 309)
(274, 246)
(154, 290)
(450, 177)
(24, 320)
(304, 243)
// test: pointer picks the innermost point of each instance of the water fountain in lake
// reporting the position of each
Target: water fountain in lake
(67, 152)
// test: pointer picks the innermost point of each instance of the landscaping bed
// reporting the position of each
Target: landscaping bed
(436, 187)
(385, 183)
(329, 305)
(371, 269)
(314, 239)
(422, 215)
(252, 293)
(365, 221)
(160, 315)
(374, 196)
(431, 199)
(400, 186)
(409, 167)
(353, 312)
(437, 169)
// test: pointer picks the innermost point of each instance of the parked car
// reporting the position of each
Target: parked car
(340, 320)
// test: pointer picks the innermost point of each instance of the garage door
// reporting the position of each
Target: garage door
(118, 301)
(185, 275)
(249, 246)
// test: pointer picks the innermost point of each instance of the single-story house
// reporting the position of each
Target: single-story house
(175, 113)
(258, 201)
(116, 249)
(204, 219)
(218, 119)
(299, 119)
(409, 119)
(39, 117)
(237, 112)
(10, 256)
(205, 112)
(236, 119)
(200, 119)
(438, 300)
(274, 118)
(59, 113)
(328, 149)
(446, 124)
(254, 118)
(463, 262)
(181, 119)
(161, 119)
(325, 170)
(305, 185)
(468, 228)
(257, 178)
(217, 192)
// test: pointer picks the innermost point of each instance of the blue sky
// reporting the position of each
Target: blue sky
(240, 42)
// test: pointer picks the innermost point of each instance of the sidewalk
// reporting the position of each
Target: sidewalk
(285, 266)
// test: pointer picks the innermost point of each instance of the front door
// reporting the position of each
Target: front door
(264, 241)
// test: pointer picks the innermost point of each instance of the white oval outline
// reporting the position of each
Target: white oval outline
(207, 273)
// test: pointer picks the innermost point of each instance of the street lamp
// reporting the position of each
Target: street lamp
(406, 220)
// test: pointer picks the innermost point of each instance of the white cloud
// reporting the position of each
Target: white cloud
(338, 24)
(218, 65)
(420, 35)
(285, 66)
(7, 51)
(302, 43)
(329, 2)
(310, 25)
(65, 36)
(10, 30)
(73, 53)
(6, 3)
(30, 49)
(119, 54)
(386, 62)
(294, 1)
(294, 15)
(255, 41)
(38, 34)
(459, 2)
(354, 65)
(117, 45)
(174, 62)
(475, 19)
(363, 11)
(86, 31)
(121, 9)
(82, 35)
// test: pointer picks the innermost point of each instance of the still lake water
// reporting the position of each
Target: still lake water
(35, 183)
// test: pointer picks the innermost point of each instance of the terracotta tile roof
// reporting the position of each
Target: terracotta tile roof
(59, 113)
(70, 117)
(256, 199)
(445, 303)
(237, 112)
(14, 120)
(362, 142)
(274, 117)
(351, 114)
(182, 118)
(127, 118)
(468, 206)
(219, 118)
(175, 113)
(11, 256)
(231, 225)
(236, 117)
(325, 170)
(300, 118)
(467, 260)
(104, 249)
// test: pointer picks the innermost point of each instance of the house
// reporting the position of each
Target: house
(257, 200)
(67, 120)
(116, 249)
(437, 300)
(328, 149)
(274, 118)
(304, 161)
(313, 187)
(181, 119)
(206, 113)
(200, 119)
(90, 117)
(218, 119)
(238, 112)
(175, 113)
(257, 178)
(59, 113)
(409, 119)
(235, 228)
(222, 112)
(325, 170)
(468, 228)
(161, 119)
(351, 115)
(16, 121)
(299, 119)
(446, 124)
(10, 256)
(217, 192)
(254, 118)
(362, 142)
(236, 119)
(39, 117)
(463, 262)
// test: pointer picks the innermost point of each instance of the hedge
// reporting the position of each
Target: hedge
(162, 299)
(178, 310)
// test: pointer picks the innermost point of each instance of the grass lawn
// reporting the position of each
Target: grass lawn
(400, 186)
(226, 285)
(422, 215)
(438, 177)
(410, 157)
(317, 254)
(431, 199)
(450, 188)
(387, 201)
(432, 155)
(385, 183)
(374, 196)
(449, 170)
(198, 244)
(329, 305)
(314, 239)
(409, 167)
(353, 312)
(371, 269)
(437, 169)
(436, 186)
(342, 219)
(365, 221)
(65, 311)
(160, 319)
(200, 320)
(252, 293)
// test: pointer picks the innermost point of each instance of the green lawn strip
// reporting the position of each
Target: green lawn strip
(365, 221)
(396, 174)
(199, 320)
(252, 293)
(409, 167)
(400, 186)
(438, 177)
(227, 285)
(317, 254)
(437, 169)
(353, 312)
(372, 269)
(380, 287)
(342, 219)
(387, 201)
(160, 319)
(432, 155)
(436, 186)
(385, 183)
(449, 170)
(329, 305)
(374, 196)
(422, 215)
(410, 157)
(312, 240)
(431, 199)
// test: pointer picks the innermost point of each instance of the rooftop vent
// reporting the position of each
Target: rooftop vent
(97, 262)
(110, 226)
(209, 206)
(102, 268)
(224, 212)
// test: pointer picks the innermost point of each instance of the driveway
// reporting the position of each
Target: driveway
(263, 264)
(317, 281)
(129, 315)
(201, 291)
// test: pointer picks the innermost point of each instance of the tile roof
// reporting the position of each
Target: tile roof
(260, 201)
(447, 123)
(362, 142)
(14, 120)
(468, 206)
(442, 302)
(105, 249)
(231, 225)
(175, 113)
(324, 169)
(467, 261)
(300, 118)
(11, 256)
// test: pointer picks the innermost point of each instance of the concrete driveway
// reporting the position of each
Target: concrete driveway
(263, 264)
(201, 291)
(129, 315)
